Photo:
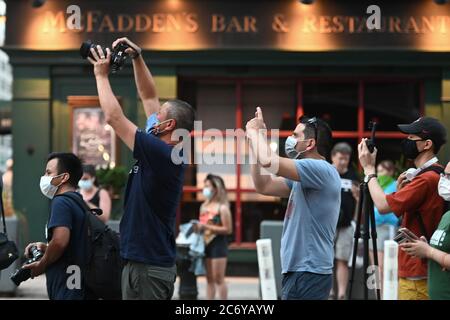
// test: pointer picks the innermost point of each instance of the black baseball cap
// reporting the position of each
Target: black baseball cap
(427, 128)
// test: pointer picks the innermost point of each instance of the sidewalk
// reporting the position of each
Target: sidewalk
(239, 288)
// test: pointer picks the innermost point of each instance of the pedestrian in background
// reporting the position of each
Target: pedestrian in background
(94, 196)
(340, 158)
(216, 225)
(386, 224)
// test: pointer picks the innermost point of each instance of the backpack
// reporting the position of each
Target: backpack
(439, 170)
(103, 264)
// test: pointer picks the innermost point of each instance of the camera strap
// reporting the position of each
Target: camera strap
(417, 214)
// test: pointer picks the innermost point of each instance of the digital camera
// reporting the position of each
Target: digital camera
(21, 274)
(118, 54)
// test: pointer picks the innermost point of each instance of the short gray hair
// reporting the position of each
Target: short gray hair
(342, 147)
(183, 113)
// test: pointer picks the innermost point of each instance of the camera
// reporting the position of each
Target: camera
(118, 55)
(21, 274)
(371, 142)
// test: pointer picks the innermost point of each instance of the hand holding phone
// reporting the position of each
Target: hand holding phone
(405, 235)
(371, 142)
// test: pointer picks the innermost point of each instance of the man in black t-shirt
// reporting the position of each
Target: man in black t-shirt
(155, 183)
(340, 157)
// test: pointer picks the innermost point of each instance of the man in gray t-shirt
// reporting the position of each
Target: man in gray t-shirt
(314, 190)
(311, 218)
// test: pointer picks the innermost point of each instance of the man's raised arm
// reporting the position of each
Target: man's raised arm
(267, 184)
(124, 128)
(268, 159)
(144, 80)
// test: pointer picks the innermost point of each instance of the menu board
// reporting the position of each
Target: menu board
(93, 140)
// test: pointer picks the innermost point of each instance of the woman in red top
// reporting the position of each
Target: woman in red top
(215, 223)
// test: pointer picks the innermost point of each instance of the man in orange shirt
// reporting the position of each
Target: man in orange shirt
(417, 200)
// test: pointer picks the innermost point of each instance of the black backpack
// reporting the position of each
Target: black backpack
(103, 265)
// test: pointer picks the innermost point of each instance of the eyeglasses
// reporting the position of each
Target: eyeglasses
(312, 122)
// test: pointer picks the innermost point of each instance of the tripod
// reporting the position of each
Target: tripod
(365, 206)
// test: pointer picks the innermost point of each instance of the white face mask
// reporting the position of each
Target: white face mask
(46, 186)
(444, 188)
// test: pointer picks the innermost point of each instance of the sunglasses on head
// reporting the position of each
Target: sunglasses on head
(312, 122)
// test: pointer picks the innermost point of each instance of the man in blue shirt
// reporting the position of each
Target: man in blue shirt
(66, 238)
(155, 184)
(314, 190)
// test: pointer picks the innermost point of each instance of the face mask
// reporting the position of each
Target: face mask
(153, 124)
(85, 184)
(289, 148)
(384, 181)
(444, 188)
(46, 186)
(409, 148)
(207, 192)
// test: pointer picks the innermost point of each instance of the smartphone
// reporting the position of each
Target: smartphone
(405, 235)
(371, 142)
(409, 234)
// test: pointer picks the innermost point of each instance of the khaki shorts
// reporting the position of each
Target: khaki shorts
(412, 289)
(343, 243)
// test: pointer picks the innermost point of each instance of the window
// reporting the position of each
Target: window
(337, 103)
(346, 104)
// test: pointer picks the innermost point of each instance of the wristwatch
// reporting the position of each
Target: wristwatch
(370, 176)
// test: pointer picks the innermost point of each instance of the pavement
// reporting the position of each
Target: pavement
(239, 288)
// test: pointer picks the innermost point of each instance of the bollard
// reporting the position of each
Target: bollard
(390, 283)
(188, 280)
(266, 269)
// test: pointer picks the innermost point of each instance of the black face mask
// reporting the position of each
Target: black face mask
(409, 148)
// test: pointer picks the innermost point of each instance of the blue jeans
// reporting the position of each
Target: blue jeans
(306, 286)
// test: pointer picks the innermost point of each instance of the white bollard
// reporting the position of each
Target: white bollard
(266, 269)
(390, 270)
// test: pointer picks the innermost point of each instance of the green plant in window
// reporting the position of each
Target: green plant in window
(113, 179)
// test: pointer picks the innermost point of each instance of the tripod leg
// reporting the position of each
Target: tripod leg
(356, 237)
(373, 229)
(366, 236)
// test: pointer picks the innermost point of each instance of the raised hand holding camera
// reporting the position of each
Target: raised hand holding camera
(367, 158)
(100, 62)
(116, 59)
(368, 152)
(132, 49)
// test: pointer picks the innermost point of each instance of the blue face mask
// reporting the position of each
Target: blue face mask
(207, 192)
(152, 123)
(85, 184)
